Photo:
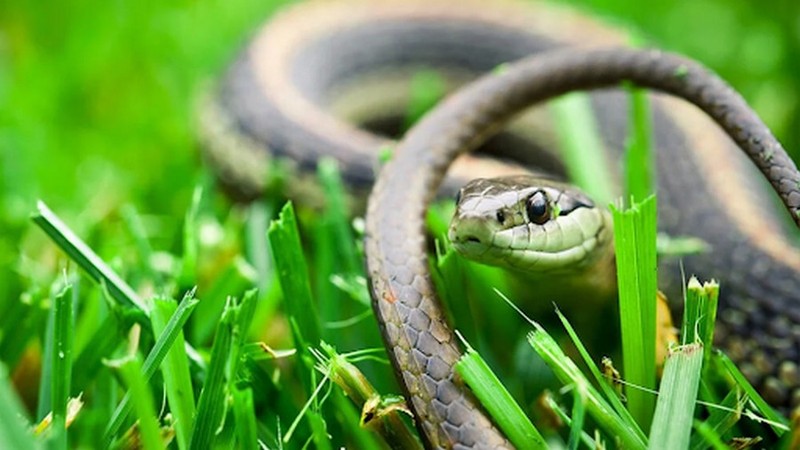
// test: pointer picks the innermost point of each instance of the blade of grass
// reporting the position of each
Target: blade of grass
(777, 422)
(506, 413)
(211, 406)
(259, 255)
(293, 273)
(149, 432)
(578, 415)
(94, 266)
(244, 317)
(154, 358)
(674, 415)
(49, 370)
(706, 329)
(694, 304)
(85, 257)
(302, 314)
(720, 420)
(587, 440)
(336, 213)
(13, 427)
(700, 314)
(175, 369)
(678, 246)
(238, 377)
(258, 250)
(45, 404)
(699, 317)
(639, 172)
(607, 389)
(385, 421)
(223, 373)
(61, 358)
(711, 290)
(569, 374)
(709, 435)
(635, 246)
(620, 425)
(244, 414)
(582, 146)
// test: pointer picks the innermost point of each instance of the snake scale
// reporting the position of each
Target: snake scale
(318, 70)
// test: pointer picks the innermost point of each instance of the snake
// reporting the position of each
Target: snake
(330, 79)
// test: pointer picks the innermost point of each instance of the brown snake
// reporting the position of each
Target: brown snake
(316, 57)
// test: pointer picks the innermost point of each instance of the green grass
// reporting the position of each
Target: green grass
(148, 431)
(154, 358)
(96, 121)
(379, 413)
(674, 414)
(616, 426)
(635, 248)
(499, 403)
(175, 369)
(61, 363)
(211, 405)
(639, 166)
(14, 432)
(582, 146)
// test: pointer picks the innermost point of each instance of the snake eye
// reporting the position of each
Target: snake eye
(458, 197)
(501, 216)
(537, 207)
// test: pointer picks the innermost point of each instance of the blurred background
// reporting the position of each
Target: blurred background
(97, 98)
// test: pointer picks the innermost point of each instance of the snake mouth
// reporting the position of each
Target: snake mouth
(468, 243)
(472, 236)
(474, 250)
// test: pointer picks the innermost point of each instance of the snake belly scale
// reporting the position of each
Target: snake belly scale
(290, 95)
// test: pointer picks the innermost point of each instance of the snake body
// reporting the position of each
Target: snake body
(278, 99)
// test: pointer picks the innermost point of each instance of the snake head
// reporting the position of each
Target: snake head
(529, 223)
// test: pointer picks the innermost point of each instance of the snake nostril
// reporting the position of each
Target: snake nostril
(473, 239)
